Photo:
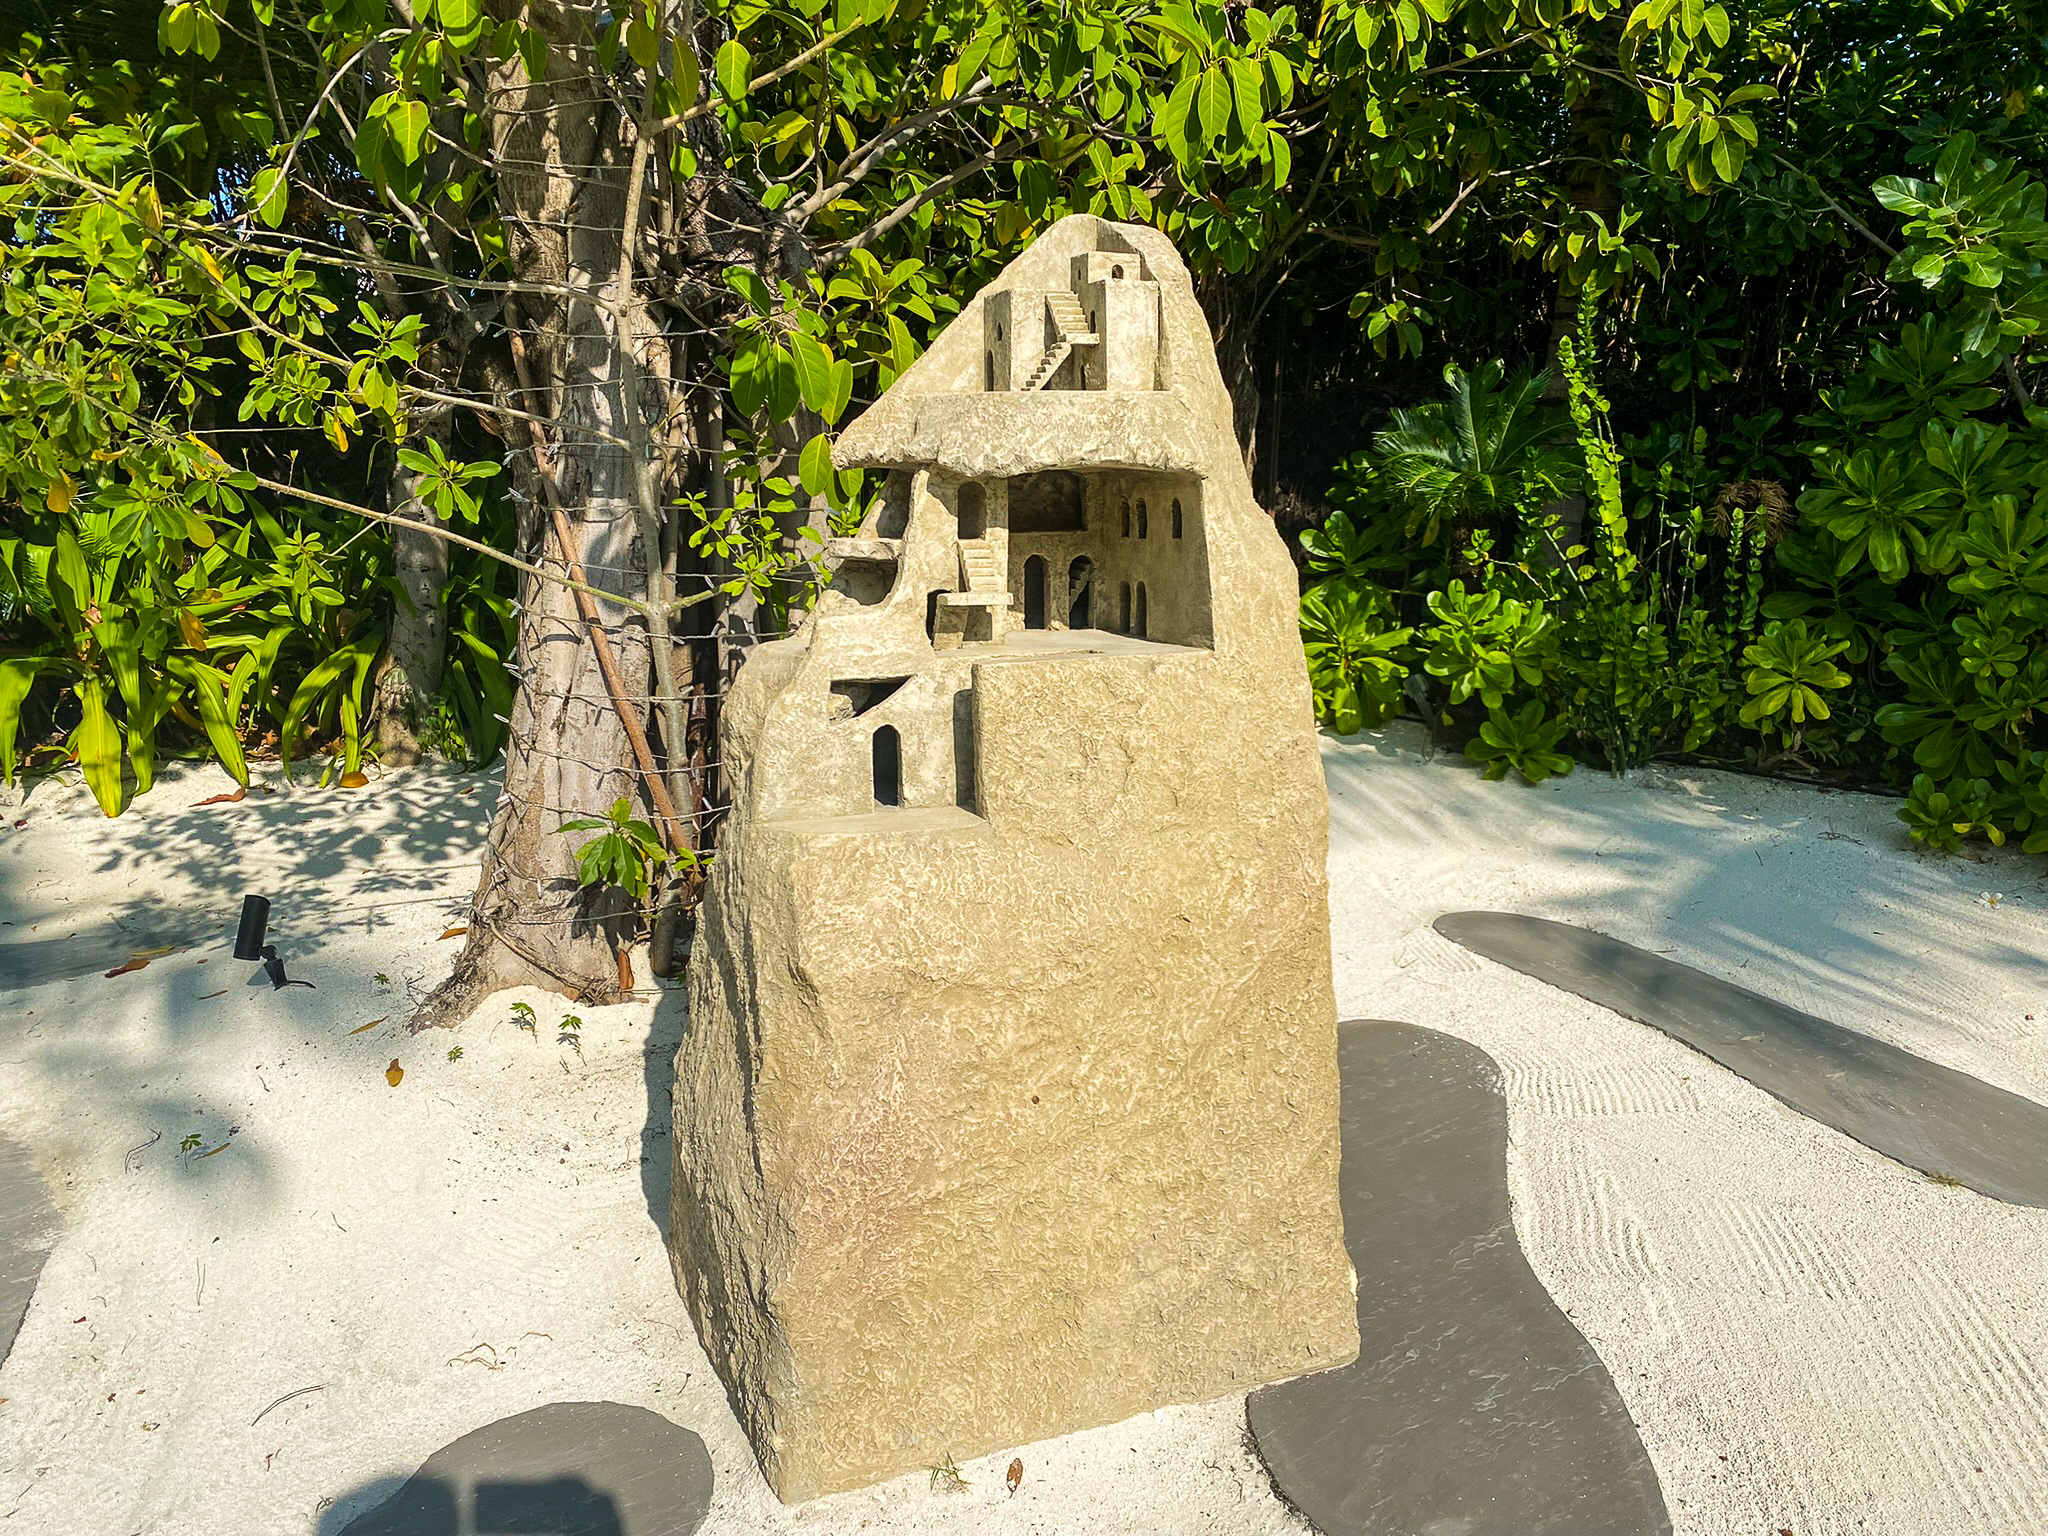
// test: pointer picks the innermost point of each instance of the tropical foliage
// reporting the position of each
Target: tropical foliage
(1736, 309)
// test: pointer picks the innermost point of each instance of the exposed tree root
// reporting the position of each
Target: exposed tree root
(488, 964)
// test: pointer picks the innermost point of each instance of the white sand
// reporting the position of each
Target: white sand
(1811, 1337)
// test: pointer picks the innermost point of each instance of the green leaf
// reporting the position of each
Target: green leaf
(98, 743)
(643, 43)
(462, 19)
(685, 75)
(748, 285)
(734, 68)
(1244, 86)
(842, 390)
(813, 371)
(1717, 25)
(815, 466)
(17, 676)
(74, 581)
(1170, 119)
(1280, 156)
(1213, 102)
(208, 689)
(406, 123)
(180, 26)
(269, 194)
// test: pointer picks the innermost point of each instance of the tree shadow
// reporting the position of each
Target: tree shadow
(1813, 898)
(82, 896)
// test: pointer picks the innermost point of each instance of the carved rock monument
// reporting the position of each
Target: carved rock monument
(1008, 1101)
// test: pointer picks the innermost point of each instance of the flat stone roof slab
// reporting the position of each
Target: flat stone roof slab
(1475, 1407)
(1930, 1117)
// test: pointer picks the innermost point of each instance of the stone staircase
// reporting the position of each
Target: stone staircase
(1070, 325)
(981, 571)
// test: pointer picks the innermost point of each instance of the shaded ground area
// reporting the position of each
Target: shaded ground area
(28, 1228)
(1474, 1406)
(568, 1469)
(1929, 1117)
(1806, 1337)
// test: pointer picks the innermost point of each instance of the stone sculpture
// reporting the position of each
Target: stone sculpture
(1008, 1103)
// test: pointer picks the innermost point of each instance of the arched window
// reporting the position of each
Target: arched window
(1144, 524)
(1176, 517)
(1123, 607)
(1127, 519)
(1138, 625)
(887, 753)
(1116, 271)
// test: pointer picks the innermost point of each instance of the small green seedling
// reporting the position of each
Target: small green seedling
(191, 1144)
(526, 1019)
(383, 980)
(570, 1032)
(455, 1053)
(946, 1476)
(622, 854)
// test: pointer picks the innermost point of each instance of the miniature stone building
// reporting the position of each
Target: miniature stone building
(1008, 1101)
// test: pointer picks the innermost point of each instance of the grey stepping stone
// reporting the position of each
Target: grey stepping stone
(1915, 1111)
(1474, 1408)
(569, 1469)
(28, 1230)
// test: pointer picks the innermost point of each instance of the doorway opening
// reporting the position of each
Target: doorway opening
(973, 511)
(887, 753)
(1081, 593)
(1034, 592)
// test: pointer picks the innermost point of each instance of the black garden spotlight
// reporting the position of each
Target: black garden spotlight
(249, 943)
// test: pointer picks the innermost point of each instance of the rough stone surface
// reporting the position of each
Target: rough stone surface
(1008, 1103)
(568, 1469)
(1918, 1112)
(1475, 1408)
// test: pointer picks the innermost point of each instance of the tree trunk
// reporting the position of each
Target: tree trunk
(592, 355)
(417, 649)
(561, 178)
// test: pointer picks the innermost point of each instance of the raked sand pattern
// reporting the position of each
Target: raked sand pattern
(1951, 1126)
(1808, 1337)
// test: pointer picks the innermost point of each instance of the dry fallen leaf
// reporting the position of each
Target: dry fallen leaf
(129, 965)
(454, 933)
(394, 1074)
(1015, 1475)
(204, 996)
(371, 1025)
(239, 793)
(354, 780)
(221, 1148)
